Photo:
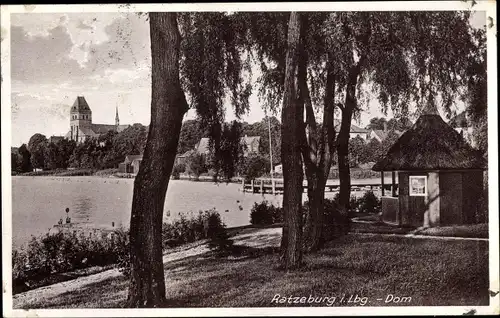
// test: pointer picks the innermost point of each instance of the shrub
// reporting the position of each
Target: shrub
(217, 233)
(187, 230)
(369, 203)
(177, 170)
(265, 213)
(62, 252)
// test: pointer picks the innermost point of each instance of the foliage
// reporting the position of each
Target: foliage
(369, 203)
(218, 238)
(226, 149)
(212, 65)
(24, 162)
(261, 129)
(254, 166)
(62, 252)
(399, 124)
(191, 133)
(265, 213)
(36, 147)
(196, 164)
(377, 123)
(356, 147)
(206, 225)
(177, 170)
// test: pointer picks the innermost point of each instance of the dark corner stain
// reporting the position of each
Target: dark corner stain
(471, 312)
(490, 22)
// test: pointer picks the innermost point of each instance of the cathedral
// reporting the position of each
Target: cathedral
(81, 126)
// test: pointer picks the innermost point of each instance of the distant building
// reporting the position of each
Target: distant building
(131, 164)
(355, 131)
(251, 145)
(81, 126)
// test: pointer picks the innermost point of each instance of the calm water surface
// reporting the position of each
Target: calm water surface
(39, 202)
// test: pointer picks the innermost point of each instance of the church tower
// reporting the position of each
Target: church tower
(117, 119)
(80, 117)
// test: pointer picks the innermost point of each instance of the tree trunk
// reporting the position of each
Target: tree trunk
(318, 154)
(168, 106)
(313, 230)
(291, 242)
(343, 144)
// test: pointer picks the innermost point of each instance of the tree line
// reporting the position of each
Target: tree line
(105, 151)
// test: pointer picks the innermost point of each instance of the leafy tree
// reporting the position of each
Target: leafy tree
(191, 133)
(197, 52)
(196, 164)
(387, 143)
(51, 156)
(372, 151)
(356, 148)
(226, 150)
(378, 123)
(36, 147)
(261, 129)
(254, 166)
(65, 148)
(476, 96)
(401, 124)
(25, 159)
(14, 161)
(400, 54)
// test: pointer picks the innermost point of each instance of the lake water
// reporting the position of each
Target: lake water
(39, 202)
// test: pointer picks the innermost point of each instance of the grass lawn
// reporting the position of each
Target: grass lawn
(469, 230)
(431, 272)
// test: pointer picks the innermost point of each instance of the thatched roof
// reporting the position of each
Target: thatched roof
(431, 144)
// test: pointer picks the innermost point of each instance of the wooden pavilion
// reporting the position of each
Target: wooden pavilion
(440, 176)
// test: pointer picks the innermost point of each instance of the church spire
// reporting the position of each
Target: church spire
(117, 119)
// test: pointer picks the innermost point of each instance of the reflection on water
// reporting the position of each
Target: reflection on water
(39, 202)
(82, 209)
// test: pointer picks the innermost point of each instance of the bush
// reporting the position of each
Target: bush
(334, 223)
(369, 203)
(265, 213)
(62, 252)
(177, 170)
(217, 234)
(187, 230)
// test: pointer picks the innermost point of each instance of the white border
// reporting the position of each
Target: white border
(418, 194)
(488, 6)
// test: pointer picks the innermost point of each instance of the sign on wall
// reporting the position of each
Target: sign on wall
(418, 186)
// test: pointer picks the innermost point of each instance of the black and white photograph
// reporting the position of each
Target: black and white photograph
(261, 159)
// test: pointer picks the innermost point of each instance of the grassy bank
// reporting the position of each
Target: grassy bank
(70, 173)
(429, 272)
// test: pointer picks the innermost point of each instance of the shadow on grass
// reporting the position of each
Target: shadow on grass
(108, 293)
(432, 273)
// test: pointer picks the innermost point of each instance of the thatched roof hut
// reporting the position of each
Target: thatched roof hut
(440, 175)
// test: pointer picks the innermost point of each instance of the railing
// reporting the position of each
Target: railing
(275, 186)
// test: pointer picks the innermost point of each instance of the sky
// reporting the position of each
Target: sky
(105, 57)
